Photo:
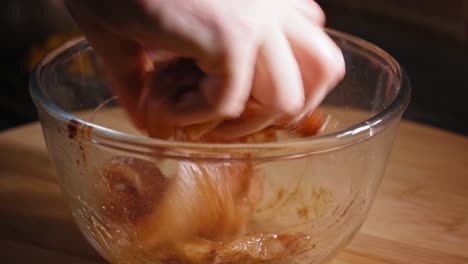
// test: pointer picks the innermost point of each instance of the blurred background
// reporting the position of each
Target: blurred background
(428, 37)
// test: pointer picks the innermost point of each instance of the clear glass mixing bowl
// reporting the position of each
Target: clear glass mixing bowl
(312, 194)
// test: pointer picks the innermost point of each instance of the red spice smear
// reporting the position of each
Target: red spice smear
(72, 127)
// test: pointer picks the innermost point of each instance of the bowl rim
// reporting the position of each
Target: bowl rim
(288, 148)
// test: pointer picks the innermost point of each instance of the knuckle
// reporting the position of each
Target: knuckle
(338, 67)
(230, 111)
(320, 14)
(240, 28)
(292, 106)
(332, 68)
(321, 18)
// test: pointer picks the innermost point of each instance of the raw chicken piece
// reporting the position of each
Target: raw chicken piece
(205, 200)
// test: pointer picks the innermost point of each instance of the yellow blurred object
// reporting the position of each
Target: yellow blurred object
(53, 42)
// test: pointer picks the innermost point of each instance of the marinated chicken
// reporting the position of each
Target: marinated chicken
(199, 215)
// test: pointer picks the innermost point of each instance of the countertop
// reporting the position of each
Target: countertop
(420, 215)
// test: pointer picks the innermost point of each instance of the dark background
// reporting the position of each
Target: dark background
(429, 38)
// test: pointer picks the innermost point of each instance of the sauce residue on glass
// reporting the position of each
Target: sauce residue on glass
(200, 214)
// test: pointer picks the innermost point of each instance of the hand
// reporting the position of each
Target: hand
(273, 54)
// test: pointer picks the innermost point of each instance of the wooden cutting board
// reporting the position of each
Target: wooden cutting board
(420, 215)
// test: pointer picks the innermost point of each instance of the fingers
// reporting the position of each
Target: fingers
(296, 67)
(286, 94)
(311, 11)
(277, 88)
(291, 80)
(217, 95)
(171, 86)
(229, 88)
(254, 114)
(320, 60)
(226, 55)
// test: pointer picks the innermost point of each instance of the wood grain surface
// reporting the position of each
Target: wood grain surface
(420, 215)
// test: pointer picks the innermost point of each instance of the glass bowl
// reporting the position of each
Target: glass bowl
(300, 201)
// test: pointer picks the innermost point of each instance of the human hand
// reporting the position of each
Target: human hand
(271, 55)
